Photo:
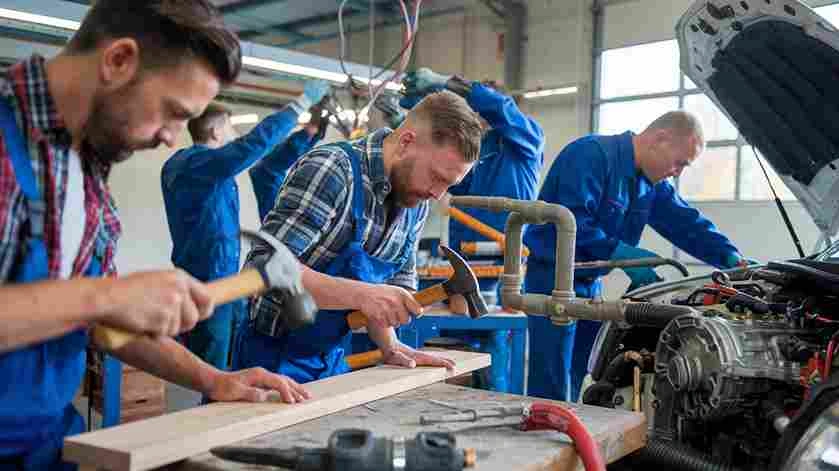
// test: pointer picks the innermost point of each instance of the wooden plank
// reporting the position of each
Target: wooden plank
(162, 440)
(499, 444)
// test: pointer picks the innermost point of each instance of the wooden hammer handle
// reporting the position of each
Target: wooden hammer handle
(231, 288)
(363, 360)
(485, 230)
(426, 297)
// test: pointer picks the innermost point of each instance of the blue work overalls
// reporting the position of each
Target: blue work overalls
(36, 410)
(317, 351)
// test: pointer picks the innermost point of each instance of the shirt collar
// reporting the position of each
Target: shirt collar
(628, 166)
(26, 82)
(376, 164)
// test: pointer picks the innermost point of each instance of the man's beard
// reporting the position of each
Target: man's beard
(401, 186)
(104, 132)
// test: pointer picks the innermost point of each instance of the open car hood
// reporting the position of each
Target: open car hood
(772, 66)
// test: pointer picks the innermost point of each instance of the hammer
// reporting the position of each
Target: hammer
(463, 282)
(281, 271)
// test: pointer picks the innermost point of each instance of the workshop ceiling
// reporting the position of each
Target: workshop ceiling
(294, 23)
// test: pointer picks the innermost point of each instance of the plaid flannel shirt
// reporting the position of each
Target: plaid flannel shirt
(313, 213)
(24, 87)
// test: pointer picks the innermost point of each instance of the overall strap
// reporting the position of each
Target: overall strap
(19, 154)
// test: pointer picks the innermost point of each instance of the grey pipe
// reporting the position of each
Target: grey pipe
(638, 262)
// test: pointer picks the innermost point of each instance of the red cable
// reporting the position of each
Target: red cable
(545, 416)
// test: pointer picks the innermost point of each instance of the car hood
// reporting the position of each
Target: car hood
(772, 67)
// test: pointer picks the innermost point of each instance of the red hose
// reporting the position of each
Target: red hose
(545, 416)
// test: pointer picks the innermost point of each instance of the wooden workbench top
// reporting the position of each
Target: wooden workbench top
(500, 446)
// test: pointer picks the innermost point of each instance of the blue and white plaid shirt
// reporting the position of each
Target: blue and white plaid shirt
(313, 213)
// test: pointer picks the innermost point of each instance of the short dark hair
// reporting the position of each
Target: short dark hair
(452, 122)
(201, 127)
(167, 31)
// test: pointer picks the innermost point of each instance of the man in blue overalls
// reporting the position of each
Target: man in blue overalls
(615, 186)
(268, 175)
(129, 79)
(509, 166)
(202, 205)
(352, 212)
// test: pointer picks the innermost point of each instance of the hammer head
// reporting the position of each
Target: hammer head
(282, 272)
(465, 283)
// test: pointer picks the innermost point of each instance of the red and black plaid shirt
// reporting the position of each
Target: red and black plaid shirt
(24, 86)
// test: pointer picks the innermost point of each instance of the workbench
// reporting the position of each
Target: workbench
(500, 445)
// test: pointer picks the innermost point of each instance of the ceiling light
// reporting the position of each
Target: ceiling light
(550, 92)
(294, 69)
(39, 19)
(304, 117)
(252, 118)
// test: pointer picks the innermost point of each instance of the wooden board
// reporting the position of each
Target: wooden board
(500, 445)
(162, 440)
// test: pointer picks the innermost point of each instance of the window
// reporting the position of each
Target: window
(830, 13)
(753, 184)
(635, 115)
(712, 177)
(715, 124)
(640, 70)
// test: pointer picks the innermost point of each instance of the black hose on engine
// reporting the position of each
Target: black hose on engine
(673, 456)
(654, 315)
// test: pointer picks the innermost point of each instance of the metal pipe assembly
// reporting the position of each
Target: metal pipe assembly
(561, 306)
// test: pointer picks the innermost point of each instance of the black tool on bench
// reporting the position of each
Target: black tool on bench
(359, 450)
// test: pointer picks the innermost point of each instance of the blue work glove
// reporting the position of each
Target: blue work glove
(410, 100)
(641, 276)
(424, 80)
(313, 93)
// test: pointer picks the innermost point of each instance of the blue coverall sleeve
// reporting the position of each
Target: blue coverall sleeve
(577, 180)
(231, 159)
(268, 174)
(687, 228)
(503, 115)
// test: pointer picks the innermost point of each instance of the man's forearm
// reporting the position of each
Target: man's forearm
(332, 292)
(36, 312)
(167, 359)
(383, 337)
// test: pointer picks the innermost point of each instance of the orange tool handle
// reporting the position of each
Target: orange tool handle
(481, 271)
(481, 228)
(426, 297)
(363, 360)
(222, 291)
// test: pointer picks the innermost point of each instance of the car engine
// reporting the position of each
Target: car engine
(723, 386)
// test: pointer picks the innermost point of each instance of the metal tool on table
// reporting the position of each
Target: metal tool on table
(281, 271)
(359, 450)
(536, 416)
(483, 229)
(463, 282)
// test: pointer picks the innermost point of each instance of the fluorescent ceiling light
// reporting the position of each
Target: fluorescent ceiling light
(309, 71)
(39, 19)
(304, 117)
(244, 119)
(294, 69)
(550, 92)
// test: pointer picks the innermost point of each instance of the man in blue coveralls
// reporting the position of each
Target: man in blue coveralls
(202, 205)
(268, 174)
(353, 212)
(130, 78)
(615, 186)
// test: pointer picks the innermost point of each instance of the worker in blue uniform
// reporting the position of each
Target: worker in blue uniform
(202, 205)
(615, 186)
(511, 154)
(268, 174)
(509, 166)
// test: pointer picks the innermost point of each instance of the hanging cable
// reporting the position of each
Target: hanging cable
(343, 40)
(781, 207)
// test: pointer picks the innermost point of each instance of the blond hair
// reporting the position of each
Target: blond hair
(451, 121)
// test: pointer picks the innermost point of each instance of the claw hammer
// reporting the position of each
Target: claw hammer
(463, 282)
(280, 271)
